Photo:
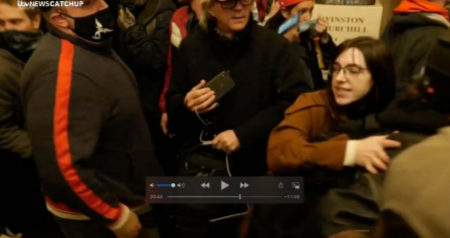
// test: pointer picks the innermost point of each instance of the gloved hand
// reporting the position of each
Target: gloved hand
(126, 19)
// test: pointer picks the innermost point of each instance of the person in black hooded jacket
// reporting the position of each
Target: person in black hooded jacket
(145, 44)
(268, 80)
(415, 27)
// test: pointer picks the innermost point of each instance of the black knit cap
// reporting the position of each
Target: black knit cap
(438, 73)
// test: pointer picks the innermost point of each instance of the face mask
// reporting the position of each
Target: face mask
(19, 41)
(305, 26)
(97, 27)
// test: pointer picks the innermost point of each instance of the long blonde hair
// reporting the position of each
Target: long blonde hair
(206, 15)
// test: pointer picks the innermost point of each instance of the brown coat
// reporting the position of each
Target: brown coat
(291, 144)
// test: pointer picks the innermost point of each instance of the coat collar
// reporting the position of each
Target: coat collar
(104, 47)
(10, 57)
(241, 39)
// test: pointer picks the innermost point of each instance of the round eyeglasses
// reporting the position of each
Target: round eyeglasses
(350, 71)
(230, 4)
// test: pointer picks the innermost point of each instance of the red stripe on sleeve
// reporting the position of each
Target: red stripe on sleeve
(61, 136)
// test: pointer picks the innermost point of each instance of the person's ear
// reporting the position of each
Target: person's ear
(286, 14)
(36, 21)
(59, 20)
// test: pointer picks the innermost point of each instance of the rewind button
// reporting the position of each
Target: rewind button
(206, 185)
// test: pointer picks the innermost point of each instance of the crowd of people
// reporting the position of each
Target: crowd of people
(94, 99)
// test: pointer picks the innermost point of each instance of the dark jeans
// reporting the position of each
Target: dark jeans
(90, 229)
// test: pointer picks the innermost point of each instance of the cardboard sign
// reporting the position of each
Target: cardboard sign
(348, 22)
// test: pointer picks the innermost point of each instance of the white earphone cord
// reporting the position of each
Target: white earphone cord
(228, 170)
(199, 117)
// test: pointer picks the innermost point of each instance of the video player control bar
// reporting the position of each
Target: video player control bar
(265, 190)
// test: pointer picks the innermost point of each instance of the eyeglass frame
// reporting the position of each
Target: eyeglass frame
(346, 71)
(235, 3)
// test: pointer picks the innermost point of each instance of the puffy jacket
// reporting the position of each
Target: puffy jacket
(410, 38)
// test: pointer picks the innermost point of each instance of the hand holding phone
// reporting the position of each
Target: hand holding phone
(221, 84)
(200, 98)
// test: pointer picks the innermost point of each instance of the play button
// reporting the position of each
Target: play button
(224, 185)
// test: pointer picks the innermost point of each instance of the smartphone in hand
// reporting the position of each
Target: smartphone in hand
(221, 84)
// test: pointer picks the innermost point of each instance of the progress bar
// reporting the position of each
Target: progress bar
(202, 196)
(240, 196)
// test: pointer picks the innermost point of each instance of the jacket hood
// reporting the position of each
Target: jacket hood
(406, 21)
(153, 8)
(412, 115)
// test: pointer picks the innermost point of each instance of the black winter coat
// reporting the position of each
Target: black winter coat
(268, 80)
(410, 38)
(145, 48)
(13, 137)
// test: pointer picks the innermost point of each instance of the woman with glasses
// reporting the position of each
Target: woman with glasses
(235, 129)
(417, 113)
(267, 80)
(362, 83)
